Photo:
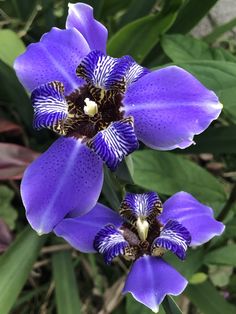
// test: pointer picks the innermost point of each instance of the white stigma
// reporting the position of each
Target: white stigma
(90, 108)
(142, 228)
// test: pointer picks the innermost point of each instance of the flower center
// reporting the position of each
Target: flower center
(90, 108)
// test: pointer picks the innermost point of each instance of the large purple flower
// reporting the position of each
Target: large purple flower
(100, 106)
(143, 232)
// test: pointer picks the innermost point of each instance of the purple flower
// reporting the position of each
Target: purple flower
(142, 233)
(100, 106)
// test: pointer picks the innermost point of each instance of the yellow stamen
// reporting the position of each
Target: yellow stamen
(142, 228)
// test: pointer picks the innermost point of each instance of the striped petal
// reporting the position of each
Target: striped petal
(115, 142)
(50, 106)
(173, 237)
(109, 73)
(140, 205)
(110, 242)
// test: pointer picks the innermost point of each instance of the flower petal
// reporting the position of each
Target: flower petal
(110, 242)
(169, 107)
(67, 178)
(151, 279)
(81, 231)
(140, 205)
(109, 73)
(115, 142)
(81, 17)
(50, 106)
(173, 237)
(54, 58)
(196, 217)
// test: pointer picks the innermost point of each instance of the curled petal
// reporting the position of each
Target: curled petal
(67, 178)
(115, 142)
(81, 17)
(80, 231)
(110, 242)
(173, 237)
(50, 106)
(169, 107)
(196, 217)
(110, 73)
(151, 279)
(141, 205)
(54, 58)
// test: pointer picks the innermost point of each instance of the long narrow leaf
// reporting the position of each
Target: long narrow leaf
(15, 266)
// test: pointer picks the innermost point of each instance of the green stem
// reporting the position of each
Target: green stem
(228, 205)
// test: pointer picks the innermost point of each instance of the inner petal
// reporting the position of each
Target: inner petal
(173, 237)
(110, 242)
(50, 106)
(115, 142)
(144, 206)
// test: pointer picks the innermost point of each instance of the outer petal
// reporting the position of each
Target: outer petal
(54, 58)
(151, 279)
(81, 17)
(169, 107)
(67, 178)
(81, 231)
(193, 215)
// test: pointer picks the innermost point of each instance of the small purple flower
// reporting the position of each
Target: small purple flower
(142, 233)
(100, 106)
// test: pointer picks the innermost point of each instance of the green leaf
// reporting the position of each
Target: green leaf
(111, 189)
(13, 95)
(220, 140)
(134, 307)
(180, 48)
(136, 10)
(208, 300)
(139, 37)
(15, 266)
(219, 31)
(67, 298)
(228, 99)
(7, 211)
(170, 306)
(220, 275)
(168, 173)
(190, 14)
(11, 46)
(223, 256)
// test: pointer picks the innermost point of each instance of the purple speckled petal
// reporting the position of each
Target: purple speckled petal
(81, 17)
(81, 231)
(67, 178)
(54, 58)
(169, 107)
(151, 279)
(193, 215)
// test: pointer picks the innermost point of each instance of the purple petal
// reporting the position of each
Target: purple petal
(193, 215)
(115, 142)
(54, 58)
(50, 106)
(110, 242)
(67, 178)
(173, 237)
(81, 17)
(151, 279)
(141, 205)
(81, 231)
(169, 107)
